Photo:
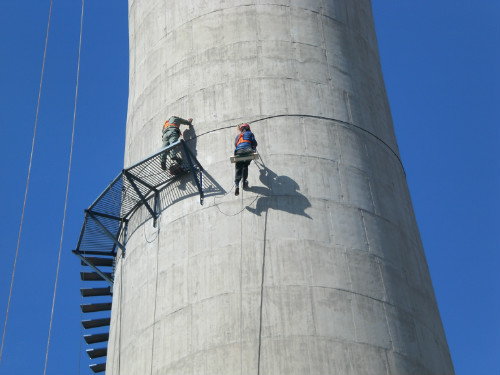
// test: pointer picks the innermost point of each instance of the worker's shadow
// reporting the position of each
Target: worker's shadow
(280, 193)
(189, 136)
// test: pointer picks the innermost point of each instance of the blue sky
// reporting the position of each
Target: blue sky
(441, 63)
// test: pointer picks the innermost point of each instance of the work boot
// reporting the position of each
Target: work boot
(177, 159)
(237, 191)
(245, 185)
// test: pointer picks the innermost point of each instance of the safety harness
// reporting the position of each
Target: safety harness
(241, 140)
(167, 124)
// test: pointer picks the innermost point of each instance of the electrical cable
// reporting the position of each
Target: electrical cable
(27, 183)
(67, 191)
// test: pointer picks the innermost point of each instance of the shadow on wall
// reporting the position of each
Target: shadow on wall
(174, 183)
(189, 136)
(280, 193)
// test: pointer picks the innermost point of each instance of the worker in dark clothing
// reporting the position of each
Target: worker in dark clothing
(245, 144)
(170, 134)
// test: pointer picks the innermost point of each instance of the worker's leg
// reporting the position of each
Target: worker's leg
(245, 172)
(237, 176)
(172, 138)
(238, 172)
(164, 143)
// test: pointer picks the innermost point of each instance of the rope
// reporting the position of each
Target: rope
(262, 293)
(257, 196)
(67, 191)
(156, 293)
(260, 164)
(157, 232)
(344, 123)
(27, 184)
(241, 287)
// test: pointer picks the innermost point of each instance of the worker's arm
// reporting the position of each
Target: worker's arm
(185, 122)
(254, 142)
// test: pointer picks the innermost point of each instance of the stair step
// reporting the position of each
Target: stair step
(93, 307)
(103, 322)
(96, 337)
(97, 352)
(96, 292)
(98, 367)
(99, 261)
(94, 276)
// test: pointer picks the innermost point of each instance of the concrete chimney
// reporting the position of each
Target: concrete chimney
(317, 268)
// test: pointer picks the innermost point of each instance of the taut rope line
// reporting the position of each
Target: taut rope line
(27, 183)
(67, 189)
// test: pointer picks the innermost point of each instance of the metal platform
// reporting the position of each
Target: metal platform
(243, 157)
(106, 220)
(147, 187)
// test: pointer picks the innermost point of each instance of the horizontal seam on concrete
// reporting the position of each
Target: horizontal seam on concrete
(244, 6)
(295, 285)
(173, 363)
(289, 196)
(278, 287)
(145, 93)
(320, 13)
(289, 338)
(340, 122)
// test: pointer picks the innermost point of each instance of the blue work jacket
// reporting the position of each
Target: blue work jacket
(245, 141)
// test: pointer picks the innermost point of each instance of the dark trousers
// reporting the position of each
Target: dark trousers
(241, 167)
(171, 135)
(241, 171)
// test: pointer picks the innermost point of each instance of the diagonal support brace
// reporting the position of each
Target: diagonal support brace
(105, 230)
(157, 208)
(88, 263)
(131, 178)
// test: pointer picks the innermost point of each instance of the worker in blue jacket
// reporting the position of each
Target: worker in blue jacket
(245, 144)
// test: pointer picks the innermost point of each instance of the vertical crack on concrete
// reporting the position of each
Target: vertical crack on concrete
(120, 315)
(153, 325)
(262, 292)
(348, 105)
(352, 296)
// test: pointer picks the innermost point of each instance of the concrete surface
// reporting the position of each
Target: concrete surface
(319, 267)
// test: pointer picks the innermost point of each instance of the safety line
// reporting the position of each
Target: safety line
(156, 295)
(67, 190)
(263, 273)
(262, 293)
(344, 123)
(241, 288)
(257, 196)
(27, 183)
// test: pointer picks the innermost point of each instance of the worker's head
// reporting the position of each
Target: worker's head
(243, 127)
